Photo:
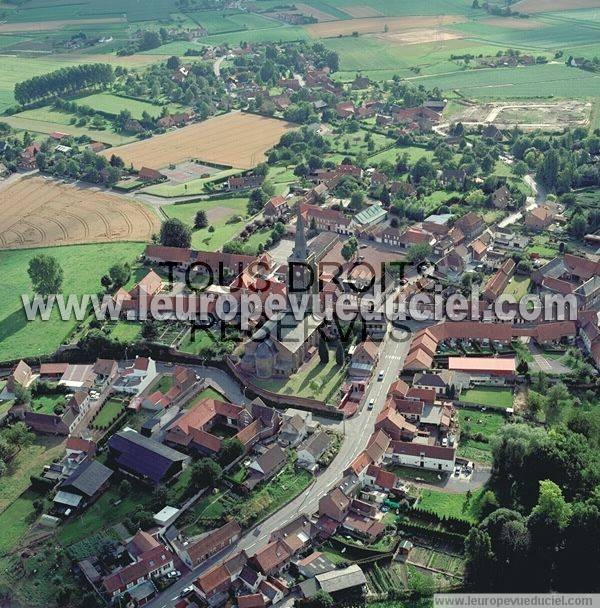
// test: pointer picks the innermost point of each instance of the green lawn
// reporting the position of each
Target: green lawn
(518, 287)
(491, 397)
(113, 104)
(46, 121)
(45, 404)
(193, 187)
(107, 511)
(126, 331)
(476, 423)
(111, 409)
(164, 384)
(15, 520)
(28, 461)
(83, 266)
(218, 212)
(449, 504)
(314, 380)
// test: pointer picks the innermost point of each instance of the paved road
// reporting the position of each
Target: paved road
(357, 432)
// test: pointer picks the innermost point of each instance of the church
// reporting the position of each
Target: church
(280, 347)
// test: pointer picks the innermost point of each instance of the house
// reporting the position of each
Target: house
(328, 220)
(77, 445)
(136, 378)
(422, 455)
(245, 182)
(395, 425)
(60, 423)
(501, 198)
(22, 376)
(195, 430)
(214, 585)
(380, 479)
(197, 550)
(255, 600)
(498, 282)
(339, 583)
(470, 225)
(364, 359)
(145, 458)
(430, 381)
(484, 366)
(106, 371)
(334, 505)
(275, 207)
(540, 218)
(313, 564)
(265, 466)
(154, 561)
(151, 175)
(82, 487)
(28, 161)
(273, 558)
(492, 132)
(293, 431)
(362, 526)
(311, 451)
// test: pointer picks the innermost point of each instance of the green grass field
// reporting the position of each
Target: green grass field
(489, 396)
(447, 504)
(193, 187)
(518, 287)
(83, 266)
(314, 380)
(113, 104)
(46, 120)
(218, 211)
(45, 404)
(474, 422)
(504, 83)
(109, 410)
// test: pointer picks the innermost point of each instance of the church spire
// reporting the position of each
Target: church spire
(300, 252)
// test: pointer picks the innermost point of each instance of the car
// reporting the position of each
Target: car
(371, 404)
(256, 532)
(380, 375)
(186, 591)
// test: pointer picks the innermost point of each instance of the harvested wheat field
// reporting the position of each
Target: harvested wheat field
(44, 26)
(375, 25)
(513, 23)
(311, 11)
(237, 139)
(360, 12)
(420, 36)
(36, 212)
(545, 6)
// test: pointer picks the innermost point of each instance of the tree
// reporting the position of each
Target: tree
(340, 355)
(231, 449)
(201, 220)
(205, 473)
(578, 226)
(321, 599)
(418, 252)
(557, 399)
(46, 274)
(323, 351)
(119, 274)
(174, 233)
(18, 436)
(173, 62)
(350, 248)
(357, 200)
(487, 504)
(551, 505)
(124, 488)
(22, 394)
(149, 330)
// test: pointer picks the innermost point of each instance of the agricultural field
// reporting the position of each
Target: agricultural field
(113, 104)
(219, 213)
(83, 267)
(237, 139)
(45, 121)
(38, 212)
(551, 80)
(383, 25)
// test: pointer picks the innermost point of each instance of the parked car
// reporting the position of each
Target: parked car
(371, 404)
(380, 375)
